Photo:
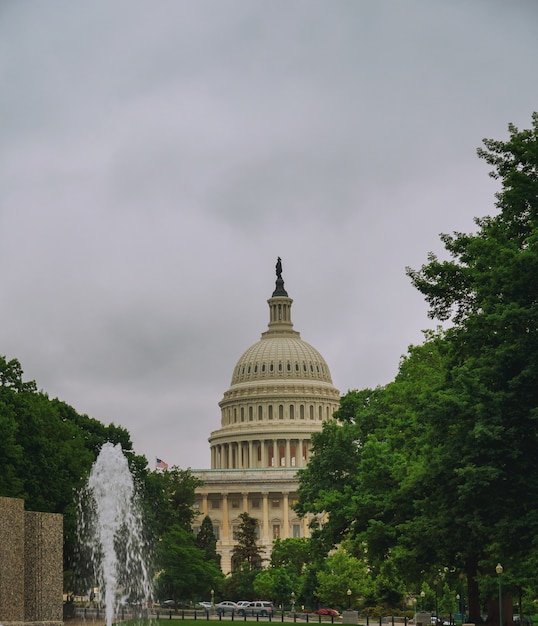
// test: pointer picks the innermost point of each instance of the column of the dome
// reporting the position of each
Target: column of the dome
(288, 455)
(276, 453)
(265, 526)
(225, 521)
(286, 504)
(229, 464)
(299, 453)
(250, 458)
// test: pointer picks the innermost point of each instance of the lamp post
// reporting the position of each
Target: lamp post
(212, 598)
(435, 583)
(348, 599)
(293, 602)
(499, 570)
(458, 601)
(422, 594)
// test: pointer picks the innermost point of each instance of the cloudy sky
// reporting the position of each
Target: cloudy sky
(157, 156)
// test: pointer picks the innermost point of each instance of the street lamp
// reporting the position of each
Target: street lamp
(348, 599)
(422, 594)
(499, 570)
(212, 598)
(293, 602)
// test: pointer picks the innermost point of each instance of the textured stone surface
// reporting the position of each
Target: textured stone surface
(43, 567)
(12, 560)
(31, 576)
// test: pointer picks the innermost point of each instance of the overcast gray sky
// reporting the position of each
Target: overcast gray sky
(157, 156)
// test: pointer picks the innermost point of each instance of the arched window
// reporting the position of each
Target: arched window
(280, 412)
(292, 412)
(270, 411)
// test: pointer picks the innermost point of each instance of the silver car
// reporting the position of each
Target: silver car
(226, 607)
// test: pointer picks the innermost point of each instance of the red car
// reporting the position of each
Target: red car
(325, 611)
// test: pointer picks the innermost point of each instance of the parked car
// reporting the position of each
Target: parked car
(327, 611)
(526, 621)
(226, 607)
(263, 609)
(205, 606)
(241, 603)
(168, 604)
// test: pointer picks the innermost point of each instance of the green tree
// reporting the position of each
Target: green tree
(276, 584)
(188, 566)
(292, 553)
(438, 469)
(371, 476)
(239, 585)
(489, 290)
(341, 572)
(169, 499)
(207, 541)
(47, 450)
(246, 552)
(186, 574)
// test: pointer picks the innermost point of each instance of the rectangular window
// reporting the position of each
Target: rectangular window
(275, 503)
(235, 504)
(215, 504)
(296, 530)
(235, 532)
(276, 531)
(255, 504)
(216, 530)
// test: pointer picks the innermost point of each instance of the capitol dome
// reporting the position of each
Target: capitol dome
(281, 357)
(280, 393)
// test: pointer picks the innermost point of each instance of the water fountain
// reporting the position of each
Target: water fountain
(110, 532)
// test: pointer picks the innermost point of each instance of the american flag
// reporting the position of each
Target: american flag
(160, 464)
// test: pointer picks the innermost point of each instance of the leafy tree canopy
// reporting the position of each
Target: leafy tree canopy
(437, 470)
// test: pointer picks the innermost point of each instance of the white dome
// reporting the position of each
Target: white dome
(281, 393)
(284, 357)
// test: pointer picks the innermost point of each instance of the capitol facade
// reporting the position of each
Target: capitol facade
(281, 392)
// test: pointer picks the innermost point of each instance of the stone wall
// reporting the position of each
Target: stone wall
(31, 576)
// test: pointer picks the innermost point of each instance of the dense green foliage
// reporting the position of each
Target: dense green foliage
(47, 450)
(246, 551)
(188, 567)
(435, 476)
(207, 541)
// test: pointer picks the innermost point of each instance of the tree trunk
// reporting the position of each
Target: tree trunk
(507, 606)
(473, 599)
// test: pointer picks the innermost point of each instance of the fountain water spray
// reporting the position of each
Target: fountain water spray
(110, 532)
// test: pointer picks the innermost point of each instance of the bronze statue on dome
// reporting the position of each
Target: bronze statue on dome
(279, 268)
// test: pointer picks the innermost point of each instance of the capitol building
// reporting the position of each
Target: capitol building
(280, 393)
